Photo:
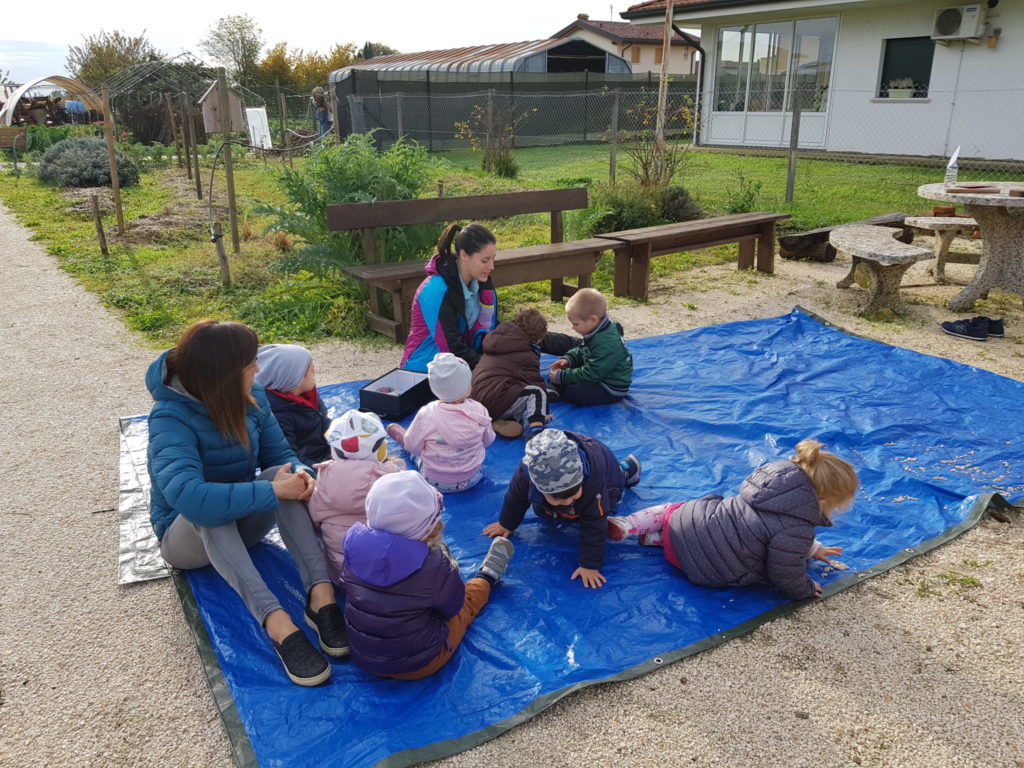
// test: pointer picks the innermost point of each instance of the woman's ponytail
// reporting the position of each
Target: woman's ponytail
(472, 238)
(444, 243)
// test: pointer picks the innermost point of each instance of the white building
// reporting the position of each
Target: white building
(848, 63)
(641, 46)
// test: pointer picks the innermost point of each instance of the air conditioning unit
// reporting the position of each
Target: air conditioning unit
(960, 22)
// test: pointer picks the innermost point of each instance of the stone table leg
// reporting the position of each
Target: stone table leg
(847, 281)
(885, 287)
(1002, 257)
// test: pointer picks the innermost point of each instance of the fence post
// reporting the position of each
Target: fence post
(285, 141)
(174, 128)
(190, 127)
(794, 143)
(115, 180)
(224, 113)
(186, 134)
(490, 130)
(614, 136)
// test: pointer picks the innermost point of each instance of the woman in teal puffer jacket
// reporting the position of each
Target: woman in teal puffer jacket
(210, 430)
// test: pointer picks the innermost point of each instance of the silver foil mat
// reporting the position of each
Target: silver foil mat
(138, 551)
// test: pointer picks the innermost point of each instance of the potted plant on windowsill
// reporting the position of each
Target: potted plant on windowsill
(901, 88)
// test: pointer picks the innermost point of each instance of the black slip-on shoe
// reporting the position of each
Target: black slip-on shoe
(302, 662)
(975, 329)
(329, 625)
(995, 327)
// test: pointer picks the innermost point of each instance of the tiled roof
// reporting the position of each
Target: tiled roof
(650, 6)
(620, 31)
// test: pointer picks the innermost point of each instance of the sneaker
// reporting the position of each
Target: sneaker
(497, 558)
(533, 430)
(975, 329)
(995, 327)
(618, 528)
(553, 394)
(631, 468)
(329, 625)
(301, 661)
(507, 428)
(655, 539)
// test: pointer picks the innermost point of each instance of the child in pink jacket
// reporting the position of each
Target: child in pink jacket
(448, 436)
(359, 447)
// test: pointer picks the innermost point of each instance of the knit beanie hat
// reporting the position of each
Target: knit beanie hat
(553, 461)
(403, 503)
(282, 366)
(358, 435)
(449, 377)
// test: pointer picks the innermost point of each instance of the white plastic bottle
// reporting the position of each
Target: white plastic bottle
(951, 171)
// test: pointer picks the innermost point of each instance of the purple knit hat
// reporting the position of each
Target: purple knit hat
(403, 503)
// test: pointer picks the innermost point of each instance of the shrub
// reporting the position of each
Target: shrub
(631, 206)
(743, 198)
(355, 172)
(83, 163)
(306, 306)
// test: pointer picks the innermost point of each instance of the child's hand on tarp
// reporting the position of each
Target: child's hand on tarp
(591, 577)
(823, 554)
(497, 529)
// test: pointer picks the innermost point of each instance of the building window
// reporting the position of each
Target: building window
(764, 67)
(906, 67)
(634, 54)
(657, 55)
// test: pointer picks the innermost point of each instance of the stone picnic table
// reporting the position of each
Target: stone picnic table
(1001, 221)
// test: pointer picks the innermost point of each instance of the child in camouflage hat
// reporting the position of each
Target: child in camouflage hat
(569, 476)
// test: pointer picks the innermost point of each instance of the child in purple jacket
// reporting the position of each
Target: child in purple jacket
(766, 533)
(448, 436)
(406, 607)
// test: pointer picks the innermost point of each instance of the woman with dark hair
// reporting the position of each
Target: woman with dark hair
(210, 429)
(456, 305)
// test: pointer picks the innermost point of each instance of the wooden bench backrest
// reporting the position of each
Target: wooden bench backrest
(394, 213)
(10, 134)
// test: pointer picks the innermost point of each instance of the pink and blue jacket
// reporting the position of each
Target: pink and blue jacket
(450, 439)
(439, 317)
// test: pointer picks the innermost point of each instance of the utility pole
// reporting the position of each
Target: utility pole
(659, 129)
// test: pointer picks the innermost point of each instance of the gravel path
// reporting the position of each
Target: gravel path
(906, 670)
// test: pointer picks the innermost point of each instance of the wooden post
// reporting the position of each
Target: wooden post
(115, 181)
(222, 257)
(224, 113)
(186, 133)
(286, 155)
(193, 158)
(440, 188)
(99, 225)
(614, 130)
(794, 144)
(174, 127)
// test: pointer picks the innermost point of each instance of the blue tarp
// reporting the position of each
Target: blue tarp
(708, 405)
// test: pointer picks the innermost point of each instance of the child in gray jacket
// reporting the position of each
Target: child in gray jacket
(766, 533)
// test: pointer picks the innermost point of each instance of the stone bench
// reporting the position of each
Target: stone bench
(885, 257)
(945, 228)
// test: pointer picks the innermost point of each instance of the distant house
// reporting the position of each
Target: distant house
(908, 77)
(642, 46)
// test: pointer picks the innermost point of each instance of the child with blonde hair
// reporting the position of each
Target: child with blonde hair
(360, 451)
(448, 436)
(406, 606)
(766, 533)
(594, 370)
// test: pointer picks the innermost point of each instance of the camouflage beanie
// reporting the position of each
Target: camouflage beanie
(553, 461)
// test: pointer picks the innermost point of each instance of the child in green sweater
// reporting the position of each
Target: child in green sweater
(598, 368)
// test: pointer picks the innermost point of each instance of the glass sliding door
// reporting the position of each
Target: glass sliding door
(734, 46)
(770, 57)
(812, 63)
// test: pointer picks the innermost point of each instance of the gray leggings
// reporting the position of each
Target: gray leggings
(226, 548)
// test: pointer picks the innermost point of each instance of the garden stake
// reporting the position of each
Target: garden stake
(186, 135)
(115, 180)
(174, 128)
(222, 257)
(229, 169)
(191, 123)
(99, 225)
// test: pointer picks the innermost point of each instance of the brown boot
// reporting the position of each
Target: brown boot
(507, 428)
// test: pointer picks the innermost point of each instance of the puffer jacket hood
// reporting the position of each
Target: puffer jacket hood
(506, 339)
(784, 488)
(510, 363)
(381, 558)
(458, 425)
(174, 390)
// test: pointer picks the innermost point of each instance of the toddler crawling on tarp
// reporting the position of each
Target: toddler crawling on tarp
(766, 533)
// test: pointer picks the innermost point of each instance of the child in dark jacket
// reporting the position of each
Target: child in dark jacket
(507, 380)
(766, 533)
(406, 607)
(286, 371)
(568, 476)
(594, 370)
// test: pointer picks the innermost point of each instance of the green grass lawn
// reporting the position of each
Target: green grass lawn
(164, 282)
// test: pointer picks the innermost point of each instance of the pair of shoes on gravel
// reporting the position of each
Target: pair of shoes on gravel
(975, 329)
(303, 663)
(497, 558)
(631, 468)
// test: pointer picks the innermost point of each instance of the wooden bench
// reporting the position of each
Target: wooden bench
(815, 244)
(887, 259)
(945, 228)
(9, 140)
(554, 261)
(755, 233)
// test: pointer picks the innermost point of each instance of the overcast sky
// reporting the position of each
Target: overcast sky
(35, 44)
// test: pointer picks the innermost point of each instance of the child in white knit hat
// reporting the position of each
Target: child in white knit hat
(448, 436)
(406, 607)
(359, 447)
